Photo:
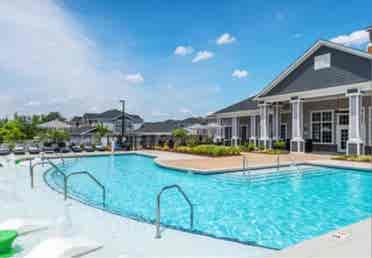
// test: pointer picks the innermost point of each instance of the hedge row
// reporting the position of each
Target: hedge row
(361, 158)
(209, 150)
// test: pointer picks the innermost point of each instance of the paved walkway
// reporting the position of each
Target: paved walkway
(253, 160)
(356, 242)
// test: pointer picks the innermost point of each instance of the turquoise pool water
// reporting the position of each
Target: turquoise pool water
(270, 210)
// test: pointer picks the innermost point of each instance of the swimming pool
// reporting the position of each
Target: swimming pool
(265, 209)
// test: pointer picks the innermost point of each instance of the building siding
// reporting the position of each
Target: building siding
(345, 69)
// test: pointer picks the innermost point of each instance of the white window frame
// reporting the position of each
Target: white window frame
(321, 116)
(363, 128)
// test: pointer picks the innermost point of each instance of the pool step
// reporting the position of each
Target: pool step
(270, 177)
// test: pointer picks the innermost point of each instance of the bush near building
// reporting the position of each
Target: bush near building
(210, 150)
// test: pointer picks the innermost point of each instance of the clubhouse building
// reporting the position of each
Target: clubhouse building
(321, 103)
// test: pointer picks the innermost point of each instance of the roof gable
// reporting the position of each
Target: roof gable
(321, 46)
(247, 104)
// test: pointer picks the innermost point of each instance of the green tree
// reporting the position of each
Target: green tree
(54, 136)
(101, 131)
(11, 132)
(59, 136)
(179, 135)
(52, 116)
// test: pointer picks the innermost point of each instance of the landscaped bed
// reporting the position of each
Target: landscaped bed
(361, 158)
(204, 150)
(279, 148)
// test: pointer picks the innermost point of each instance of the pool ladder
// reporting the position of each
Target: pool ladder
(158, 198)
(244, 166)
(278, 163)
(294, 164)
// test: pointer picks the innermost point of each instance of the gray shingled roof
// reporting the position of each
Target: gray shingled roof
(169, 125)
(81, 130)
(111, 115)
(247, 104)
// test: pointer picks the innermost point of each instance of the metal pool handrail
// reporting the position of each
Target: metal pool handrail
(57, 156)
(244, 162)
(296, 166)
(42, 162)
(158, 234)
(278, 162)
(91, 177)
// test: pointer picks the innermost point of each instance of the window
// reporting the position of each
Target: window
(343, 119)
(322, 61)
(228, 132)
(322, 127)
(370, 126)
(283, 131)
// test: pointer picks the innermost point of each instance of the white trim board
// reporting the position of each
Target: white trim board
(331, 91)
(241, 113)
(308, 53)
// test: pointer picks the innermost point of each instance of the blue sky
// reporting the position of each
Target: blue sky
(77, 56)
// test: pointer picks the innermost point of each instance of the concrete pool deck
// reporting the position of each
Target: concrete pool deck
(222, 164)
(123, 237)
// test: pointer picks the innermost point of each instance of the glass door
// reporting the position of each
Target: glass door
(342, 131)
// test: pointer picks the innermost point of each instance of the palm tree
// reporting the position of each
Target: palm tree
(101, 132)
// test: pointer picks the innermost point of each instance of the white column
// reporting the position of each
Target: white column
(297, 142)
(253, 128)
(355, 144)
(219, 130)
(264, 124)
(235, 131)
(276, 121)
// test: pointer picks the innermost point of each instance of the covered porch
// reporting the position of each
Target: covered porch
(339, 123)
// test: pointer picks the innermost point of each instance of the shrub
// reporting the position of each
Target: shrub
(251, 147)
(192, 140)
(165, 147)
(261, 147)
(209, 150)
(360, 158)
(248, 147)
(279, 145)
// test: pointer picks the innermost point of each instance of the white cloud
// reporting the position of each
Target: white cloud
(33, 103)
(202, 56)
(356, 38)
(134, 78)
(225, 38)
(240, 74)
(46, 55)
(297, 35)
(157, 113)
(183, 50)
(185, 110)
